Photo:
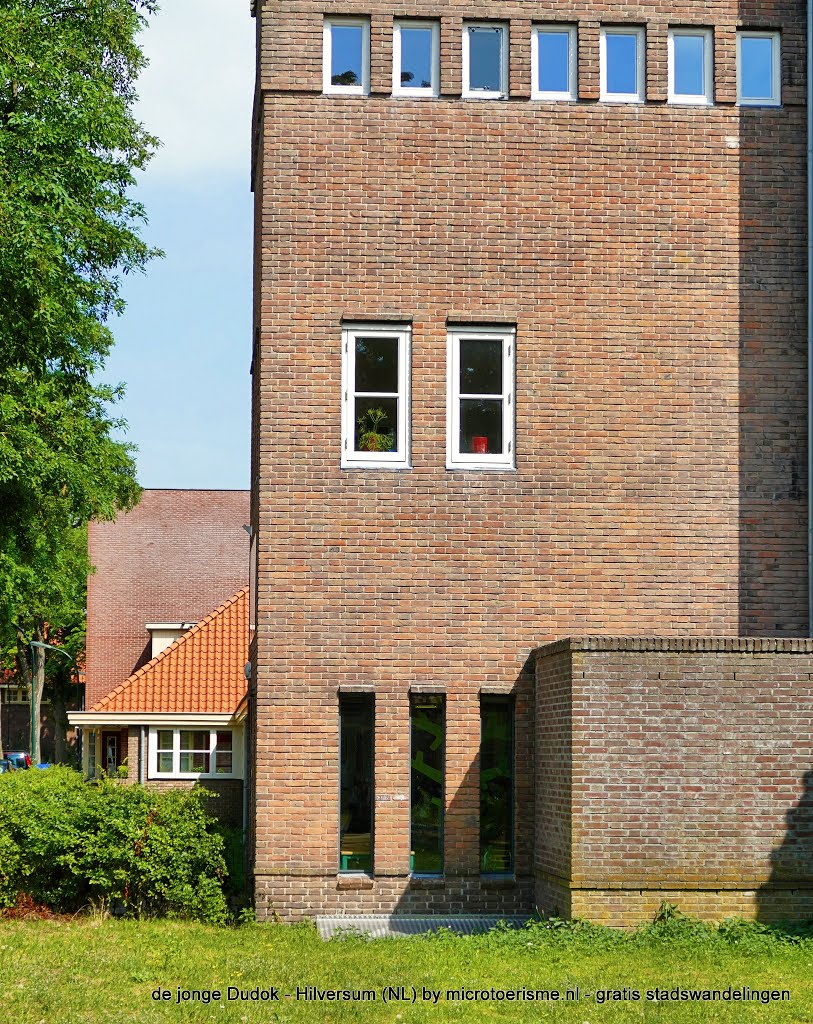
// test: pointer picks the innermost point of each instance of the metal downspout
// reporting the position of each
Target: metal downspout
(809, 91)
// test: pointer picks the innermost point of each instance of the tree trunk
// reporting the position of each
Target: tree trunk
(59, 709)
(24, 651)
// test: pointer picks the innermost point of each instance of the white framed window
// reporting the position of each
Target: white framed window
(622, 62)
(416, 58)
(480, 398)
(191, 753)
(759, 80)
(553, 67)
(375, 396)
(485, 60)
(691, 65)
(346, 56)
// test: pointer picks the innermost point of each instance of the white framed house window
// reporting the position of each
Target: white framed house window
(191, 753)
(375, 396)
(416, 58)
(346, 56)
(759, 81)
(691, 66)
(622, 63)
(485, 60)
(480, 398)
(553, 67)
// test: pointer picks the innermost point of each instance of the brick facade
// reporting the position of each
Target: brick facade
(675, 770)
(652, 260)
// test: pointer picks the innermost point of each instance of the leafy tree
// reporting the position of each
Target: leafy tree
(69, 147)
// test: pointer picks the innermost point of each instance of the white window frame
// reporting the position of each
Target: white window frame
(455, 459)
(572, 62)
(375, 460)
(405, 90)
(640, 64)
(486, 94)
(775, 99)
(706, 98)
(176, 773)
(327, 57)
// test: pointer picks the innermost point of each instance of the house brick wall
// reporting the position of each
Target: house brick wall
(688, 778)
(226, 802)
(652, 258)
(174, 558)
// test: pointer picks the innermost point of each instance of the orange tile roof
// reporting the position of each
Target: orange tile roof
(202, 672)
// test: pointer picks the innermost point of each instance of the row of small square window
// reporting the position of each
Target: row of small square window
(416, 62)
(376, 397)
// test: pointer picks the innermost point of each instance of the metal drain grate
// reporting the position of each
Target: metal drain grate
(388, 926)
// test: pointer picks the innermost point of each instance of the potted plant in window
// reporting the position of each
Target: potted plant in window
(371, 434)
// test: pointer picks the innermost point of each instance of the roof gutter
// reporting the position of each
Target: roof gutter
(97, 719)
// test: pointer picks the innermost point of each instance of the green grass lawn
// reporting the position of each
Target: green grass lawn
(87, 971)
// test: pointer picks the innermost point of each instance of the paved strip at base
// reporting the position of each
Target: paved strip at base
(387, 926)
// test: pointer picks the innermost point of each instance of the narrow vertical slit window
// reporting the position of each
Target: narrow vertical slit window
(690, 66)
(622, 54)
(497, 786)
(375, 397)
(356, 767)
(346, 56)
(480, 386)
(758, 69)
(554, 62)
(427, 743)
(485, 60)
(416, 58)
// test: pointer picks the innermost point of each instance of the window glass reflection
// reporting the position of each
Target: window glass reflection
(426, 784)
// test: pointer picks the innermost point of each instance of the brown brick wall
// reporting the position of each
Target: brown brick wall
(652, 258)
(689, 778)
(226, 804)
(174, 558)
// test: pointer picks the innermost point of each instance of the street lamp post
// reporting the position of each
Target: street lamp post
(34, 702)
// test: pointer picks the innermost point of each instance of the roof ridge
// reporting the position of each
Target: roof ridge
(128, 682)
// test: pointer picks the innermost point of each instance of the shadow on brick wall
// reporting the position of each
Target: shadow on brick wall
(773, 361)
(788, 896)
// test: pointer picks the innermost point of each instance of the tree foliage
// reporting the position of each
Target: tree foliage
(69, 147)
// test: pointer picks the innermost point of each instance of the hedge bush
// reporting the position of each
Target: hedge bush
(69, 843)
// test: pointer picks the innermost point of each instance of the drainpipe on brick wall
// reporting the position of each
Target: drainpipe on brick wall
(141, 772)
(809, 317)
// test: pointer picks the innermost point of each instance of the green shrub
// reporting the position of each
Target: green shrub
(69, 843)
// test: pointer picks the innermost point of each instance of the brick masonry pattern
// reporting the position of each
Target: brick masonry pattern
(652, 258)
(672, 773)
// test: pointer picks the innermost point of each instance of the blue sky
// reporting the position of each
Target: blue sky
(183, 346)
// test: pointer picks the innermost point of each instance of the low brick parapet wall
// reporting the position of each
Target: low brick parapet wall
(674, 769)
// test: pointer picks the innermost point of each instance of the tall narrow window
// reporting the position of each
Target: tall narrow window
(356, 782)
(346, 56)
(496, 785)
(375, 396)
(690, 65)
(480, 420)
(758, 69)
(416, 58)
(426, 784)
(622, 64)
(554, 62)
(485, 60)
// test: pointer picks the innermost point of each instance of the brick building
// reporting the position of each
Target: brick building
(530, 364)
(167, 641)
